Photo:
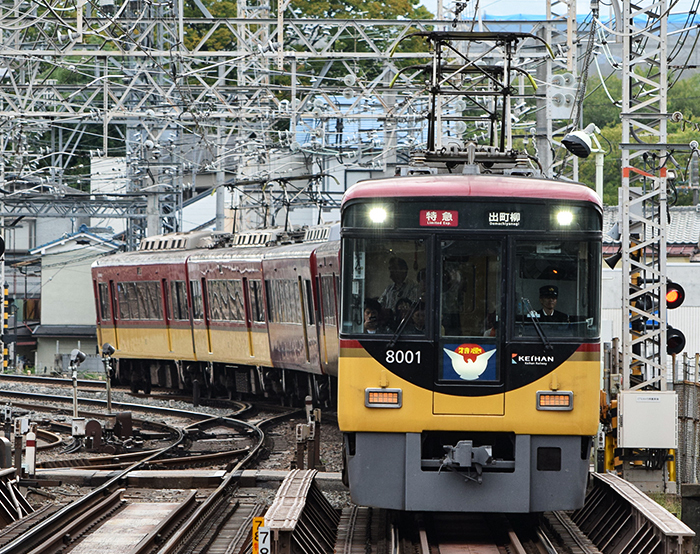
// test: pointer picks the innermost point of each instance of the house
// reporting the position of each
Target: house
(67, 301)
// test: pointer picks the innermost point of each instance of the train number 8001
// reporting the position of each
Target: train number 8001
(402, 357)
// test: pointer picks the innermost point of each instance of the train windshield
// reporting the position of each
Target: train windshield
(470, 289)
(386, 288)
(557, 287)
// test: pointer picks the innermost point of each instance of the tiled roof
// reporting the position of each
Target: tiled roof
(683, 229)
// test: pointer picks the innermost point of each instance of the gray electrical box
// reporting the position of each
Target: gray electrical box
(647, 419)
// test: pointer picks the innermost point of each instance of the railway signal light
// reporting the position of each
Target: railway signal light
(675, 341)
(675, 295)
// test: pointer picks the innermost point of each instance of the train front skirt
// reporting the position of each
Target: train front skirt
(548, 473)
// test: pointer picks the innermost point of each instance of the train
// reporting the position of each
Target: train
(254, 313)
(454, 318)
(490, 405)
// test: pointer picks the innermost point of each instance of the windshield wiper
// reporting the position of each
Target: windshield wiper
(403, 323)
(538, 327)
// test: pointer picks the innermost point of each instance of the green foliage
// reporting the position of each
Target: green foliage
(597, 106)
(356, 9)
(222, 38)
(684, 97)
(599, 109)
(612, 172)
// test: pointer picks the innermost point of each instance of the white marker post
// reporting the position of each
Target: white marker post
(31, 452)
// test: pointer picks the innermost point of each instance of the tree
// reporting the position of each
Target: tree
(598, 108)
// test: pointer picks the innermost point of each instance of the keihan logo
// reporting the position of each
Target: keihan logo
(531, 360)
(469, 360)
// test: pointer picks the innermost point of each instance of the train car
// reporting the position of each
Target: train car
(229, 317)
(328, 293)
(143, 312)
(469, 364)
(238, 314)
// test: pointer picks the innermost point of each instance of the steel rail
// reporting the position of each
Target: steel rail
(160, 410)
(53, 524)
(50, 439)
(184, 534)
(156, 535)
(75, 526)
(37, 379)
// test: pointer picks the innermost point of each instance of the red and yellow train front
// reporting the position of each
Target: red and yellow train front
(469, 355)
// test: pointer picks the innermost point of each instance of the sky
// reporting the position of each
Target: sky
(534, 7)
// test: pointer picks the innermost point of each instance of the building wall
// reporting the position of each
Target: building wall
(686, 318)
(47, 360)
(67, 297)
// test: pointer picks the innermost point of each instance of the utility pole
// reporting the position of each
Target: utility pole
(643, 207)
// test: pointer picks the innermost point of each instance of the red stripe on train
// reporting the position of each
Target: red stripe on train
(347, 343)
(589, 347)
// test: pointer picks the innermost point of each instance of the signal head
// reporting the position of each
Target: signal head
(675, 341)
(675, 295)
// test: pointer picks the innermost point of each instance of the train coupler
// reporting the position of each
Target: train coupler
(465, 456)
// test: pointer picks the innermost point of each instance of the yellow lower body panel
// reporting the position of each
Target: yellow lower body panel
(519, 415)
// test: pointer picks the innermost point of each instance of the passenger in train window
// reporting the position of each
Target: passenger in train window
(403, 306)
(372, 323)
(417, 326)
(400, 287)
(491, 325)
(549, 296)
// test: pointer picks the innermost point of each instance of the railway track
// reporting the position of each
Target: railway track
(303, 521)
(210, 440)
(70, 523)
(94, 385)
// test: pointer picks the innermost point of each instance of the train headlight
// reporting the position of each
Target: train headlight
(383, 398)
(565, 218)
(555, 400)
(378, 215)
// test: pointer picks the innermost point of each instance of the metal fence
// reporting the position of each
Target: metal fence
(686, 383)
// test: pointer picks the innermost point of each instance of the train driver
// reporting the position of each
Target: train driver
(549, 295)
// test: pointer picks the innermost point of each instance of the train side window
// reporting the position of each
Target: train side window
(151, 309)
(287, 304)
(255, 294)
(122, 301)
(270, 288)
(328, 300)
(235, 300)
(309, 303)
(178, 295)
(196, 296)
(218, 300)
(291, 302)
(283, 301)
(297, 304)
(132, 300)
(165, 294)
(105, 308)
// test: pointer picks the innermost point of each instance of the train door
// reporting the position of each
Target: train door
(309, 322)
(115, 307)
(168, 313)
(207, 315)
(199, 328)
(321, 325)
(248, 316)
(470, 311)
(328, 322)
